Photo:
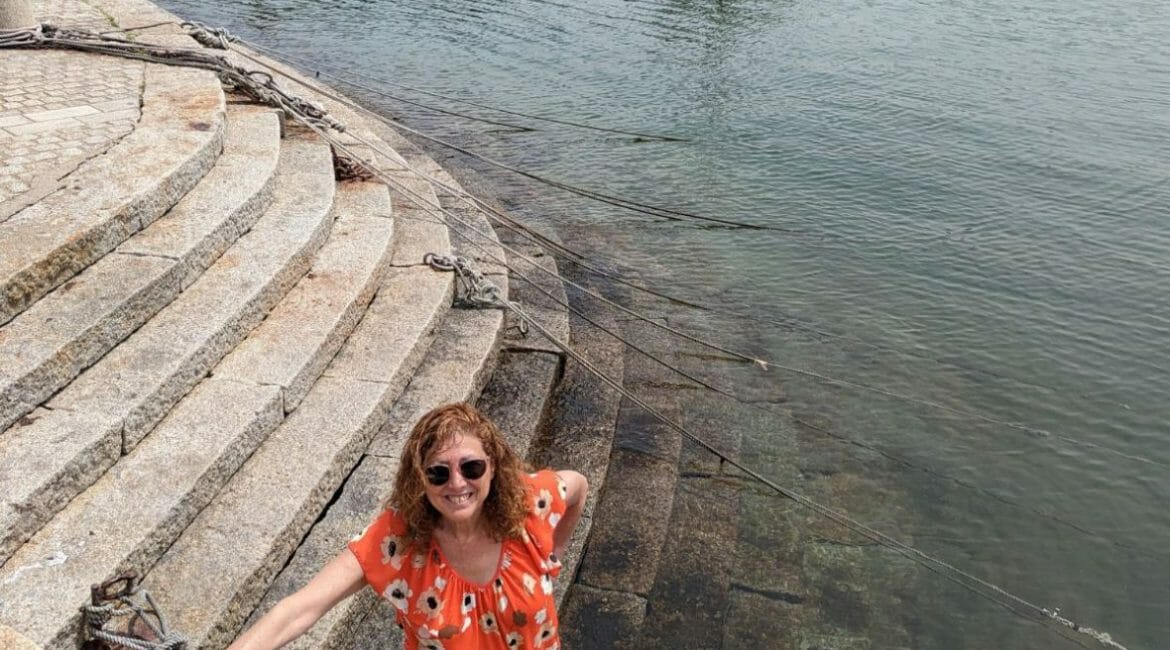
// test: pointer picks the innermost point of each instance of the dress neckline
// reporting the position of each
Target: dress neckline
(444, 563)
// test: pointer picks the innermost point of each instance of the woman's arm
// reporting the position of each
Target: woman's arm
(578, 489)
(290, 617)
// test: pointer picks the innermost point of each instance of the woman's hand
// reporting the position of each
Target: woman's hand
(578, 489)
(289, 618)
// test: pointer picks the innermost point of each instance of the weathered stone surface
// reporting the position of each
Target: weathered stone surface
(217, 570)
(10, 639)
(626, 543)
(597, 618)
(62, 334)
(377, 631)
(364, 493)
(763, 620)
(306, 329)
(454, 370)
(689, 600)
(226, 203)
(133, 513)
(518, 395)
(393, 333)
(114, 195)
(419, 232)
(47, 458)
(140, 379)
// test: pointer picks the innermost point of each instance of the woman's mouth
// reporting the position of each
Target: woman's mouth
(459, 499)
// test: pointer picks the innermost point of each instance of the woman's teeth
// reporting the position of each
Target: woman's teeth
(460, 499)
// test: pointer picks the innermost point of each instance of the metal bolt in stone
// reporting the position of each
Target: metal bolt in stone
(16, 14)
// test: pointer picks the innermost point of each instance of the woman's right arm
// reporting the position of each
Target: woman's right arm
(290, 617)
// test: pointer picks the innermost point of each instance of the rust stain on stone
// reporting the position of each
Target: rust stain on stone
(200, 126)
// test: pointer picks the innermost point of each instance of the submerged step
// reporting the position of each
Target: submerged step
(113, 196)
(53, 452)
(69, 329)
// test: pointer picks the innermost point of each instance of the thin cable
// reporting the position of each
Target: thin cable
(1034, 431)
(629, 204)
(580, 125)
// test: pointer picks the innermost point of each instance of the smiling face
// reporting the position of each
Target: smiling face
(460, 500)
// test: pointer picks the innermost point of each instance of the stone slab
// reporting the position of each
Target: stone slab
(360, 500)
(217, 570)
(306, 329)
(626, 543)
(455, 369)
(10, 639)
(129, 517)
(518, 395)
(528, 336)
(46, 459)
(394, 332)
(140, 379)
(52, 342)
(597, 618)
(226, 203)
(117, 194)
(419, 232)
(689, 599)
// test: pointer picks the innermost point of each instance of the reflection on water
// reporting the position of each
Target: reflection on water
(974, 197)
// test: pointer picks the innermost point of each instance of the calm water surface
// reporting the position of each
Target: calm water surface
(975, 202)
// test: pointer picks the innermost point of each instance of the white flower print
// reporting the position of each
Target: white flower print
(488, 623)
(397, 593)
(418, 560)
(529, 583)
(430, 603)
(543, 504)
(554, 519)
(468, 602)
(540, 616)
(563, 488)
(466, 624)
(430, 644)
(502, 605)
(514, 640)
(393, 551)
(546, 583)
(440, 582)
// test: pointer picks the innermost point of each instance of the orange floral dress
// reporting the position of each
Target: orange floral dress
(438, 608)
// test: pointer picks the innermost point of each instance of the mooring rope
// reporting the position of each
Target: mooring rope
(1034, 431)
(262, 87)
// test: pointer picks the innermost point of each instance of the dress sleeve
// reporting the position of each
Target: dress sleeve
(381, 549)
(546, 506)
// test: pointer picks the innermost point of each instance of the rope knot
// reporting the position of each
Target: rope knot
(477, 292)
(219, 38)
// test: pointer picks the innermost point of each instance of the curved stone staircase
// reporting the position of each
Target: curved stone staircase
(212, 350)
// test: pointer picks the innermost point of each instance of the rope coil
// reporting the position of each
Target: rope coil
(141, 625)
(477, 291)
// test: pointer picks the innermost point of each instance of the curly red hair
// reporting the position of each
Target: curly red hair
(507, 501)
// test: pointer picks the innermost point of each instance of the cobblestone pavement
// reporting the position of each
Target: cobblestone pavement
(59, 108)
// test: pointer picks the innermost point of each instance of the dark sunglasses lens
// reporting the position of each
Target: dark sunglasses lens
(438, 474)
(473, 469)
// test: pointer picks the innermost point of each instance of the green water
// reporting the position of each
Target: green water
(974, 202)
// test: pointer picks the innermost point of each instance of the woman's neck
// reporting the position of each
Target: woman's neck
(462, 531)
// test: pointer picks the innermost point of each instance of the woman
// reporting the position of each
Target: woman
(465, 551)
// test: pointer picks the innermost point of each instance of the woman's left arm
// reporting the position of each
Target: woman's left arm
(578, 489)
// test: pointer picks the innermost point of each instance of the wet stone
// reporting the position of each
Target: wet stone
(597, 618)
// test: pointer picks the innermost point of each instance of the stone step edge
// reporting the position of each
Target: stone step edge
(267, 538)
(149, 549)
(130, 185)
(165, 273)
(110, 436)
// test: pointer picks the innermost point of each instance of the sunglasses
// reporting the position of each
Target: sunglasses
(470, 469)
